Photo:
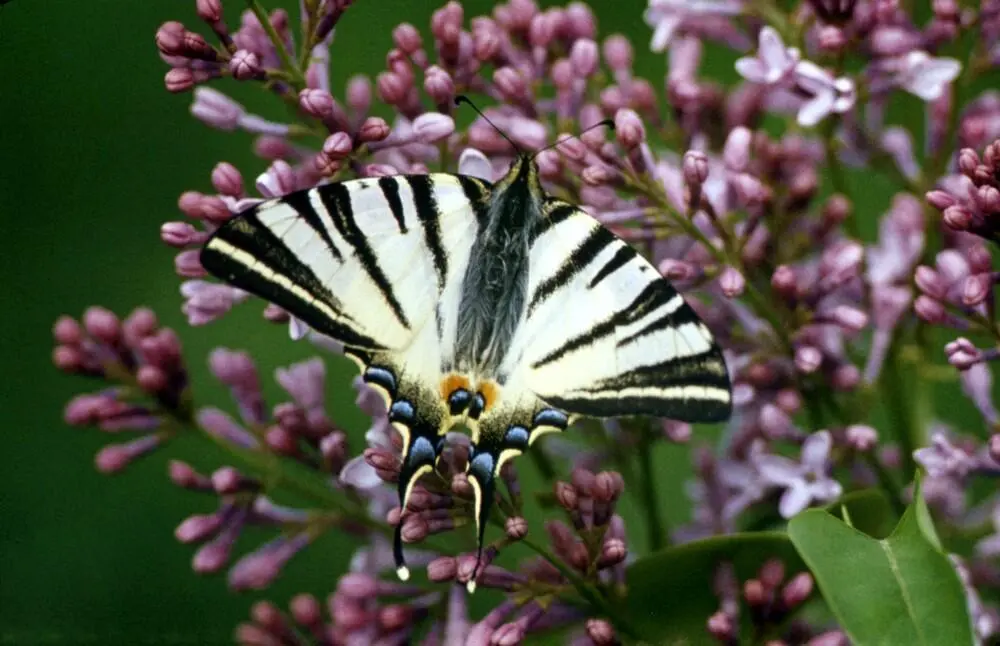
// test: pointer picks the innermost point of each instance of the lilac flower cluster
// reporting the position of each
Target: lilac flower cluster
(762, 231)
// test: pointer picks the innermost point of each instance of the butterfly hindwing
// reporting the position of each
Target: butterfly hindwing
(605, 335)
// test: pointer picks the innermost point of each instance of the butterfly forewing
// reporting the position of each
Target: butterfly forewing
(364, 261)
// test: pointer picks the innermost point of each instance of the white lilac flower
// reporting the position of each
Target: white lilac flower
(805, 481)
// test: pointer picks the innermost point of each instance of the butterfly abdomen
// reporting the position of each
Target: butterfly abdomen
(495, 285)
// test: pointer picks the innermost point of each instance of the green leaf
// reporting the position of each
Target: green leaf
(899, 590)
(671, 592)
(869, 511)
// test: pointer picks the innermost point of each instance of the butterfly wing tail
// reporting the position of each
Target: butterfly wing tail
(482, 476)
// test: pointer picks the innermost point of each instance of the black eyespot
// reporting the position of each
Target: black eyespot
(458, 401)
(401, 411)
(517, 436)
(551, 417)
(381, 377)
(477, 406)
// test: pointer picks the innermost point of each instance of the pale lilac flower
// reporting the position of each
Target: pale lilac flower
(666, 17)
(205, 301)
(806, 481)
(829, 95)
(474, 163)
(773, 62)
(944, 460)
(923, 75)
(219, 111)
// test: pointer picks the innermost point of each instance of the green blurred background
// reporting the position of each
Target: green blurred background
(95, 153)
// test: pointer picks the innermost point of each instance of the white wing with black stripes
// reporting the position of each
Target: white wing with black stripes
(365, 262)
(605, 335)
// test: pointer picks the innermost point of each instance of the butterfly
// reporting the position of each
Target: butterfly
(492, 306)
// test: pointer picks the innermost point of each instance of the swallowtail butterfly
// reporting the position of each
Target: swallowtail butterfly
(497, 307)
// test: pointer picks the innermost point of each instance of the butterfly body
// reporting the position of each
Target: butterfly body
(495, 307)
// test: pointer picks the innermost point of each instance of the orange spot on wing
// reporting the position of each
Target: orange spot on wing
(453, 382)
(491, 393)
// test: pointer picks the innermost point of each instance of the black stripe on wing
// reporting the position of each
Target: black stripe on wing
(429, 215)
(691, 409)
(301, 202)
(246, 233)
(595, 242)
(390, 190)
(556, 211)
(654, 295)
(621, 258)
(337, 199)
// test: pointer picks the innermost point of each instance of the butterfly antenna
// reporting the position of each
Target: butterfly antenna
(607, 123)
(461, 98)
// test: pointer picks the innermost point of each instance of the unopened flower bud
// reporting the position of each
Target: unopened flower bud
(432, 127)
(584, 58)
(929, 309)
(695, 167)
(731, 282)
(629, 129)
(373, 129)
(245, 66)
(861, 437)
(808, 358)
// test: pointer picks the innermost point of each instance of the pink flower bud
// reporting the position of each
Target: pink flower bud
(958, 217)
(976, 288)
(861, 437)
(179, 79)
(407, 38)
(317, 103)
(227, 179)
(392, 88)
(584, 58)
(929, 309)
(432, 127)
(968, 160)
(731, 282)
(245, 66)
(988, 198)
(439, 85)
(170, 38)
(510, 83)
(580, 19)
(618, 52)
(629, 129)
(851, 319)
(181, 234)
(930, 282)
(373, 129)
(677, 269)
(338, 145)
(209, 10)
(600, 632)
(695, 167)
(736, 152)
(516, 527)
(940, 200)
(784, 282)
(808, 358)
